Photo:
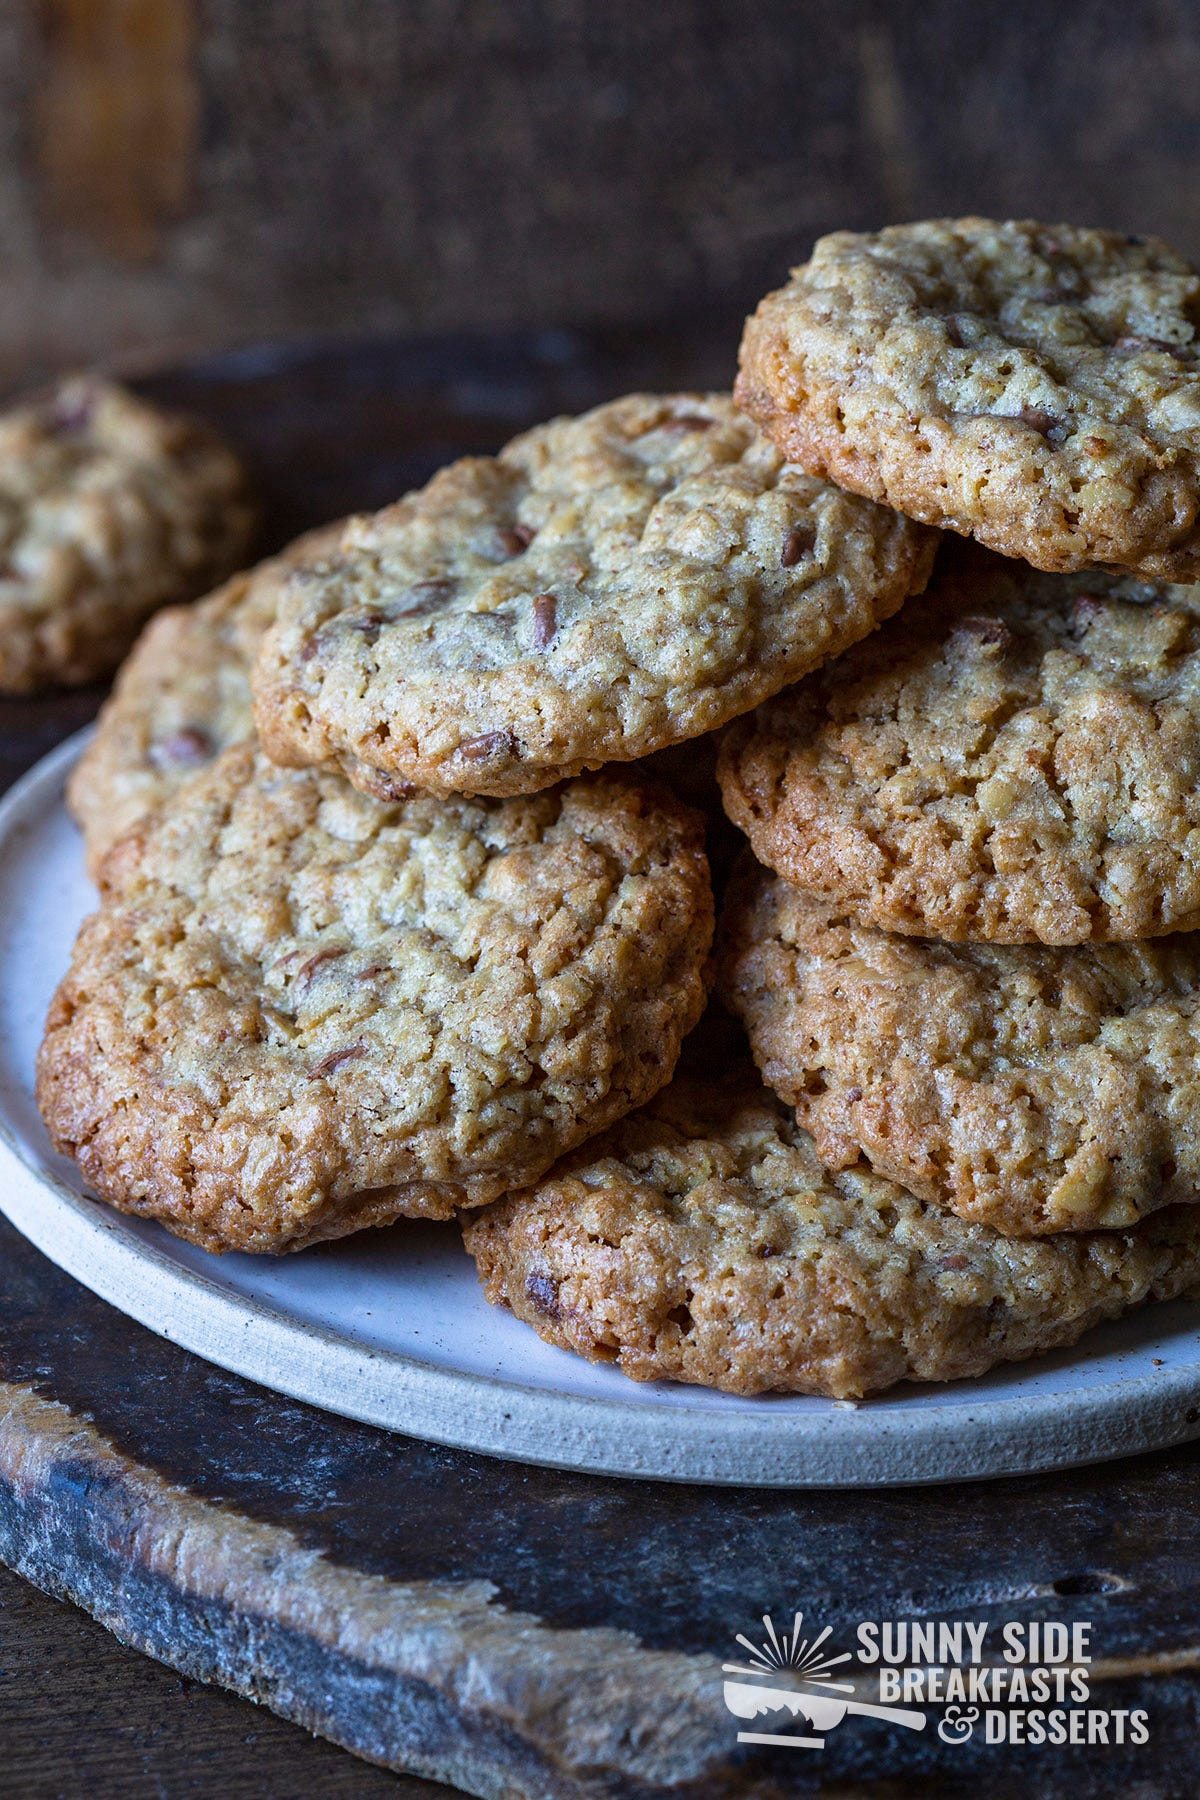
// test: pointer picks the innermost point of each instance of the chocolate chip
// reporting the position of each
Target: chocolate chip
(989, 633)
(72, 411)
(1038, 420)
(305, 975)
(796, 545)
(543, 1293)
(388, 787)
(1131, 344)
(545, 620)
(515, 538)
(369, 624)
(687, 422)
(427, 597)
(491, 743)
(1049, 425)
(185, 749)
(1086, 606)
(335, 1059)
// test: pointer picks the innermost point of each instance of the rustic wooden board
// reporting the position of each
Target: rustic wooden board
(515, 1631)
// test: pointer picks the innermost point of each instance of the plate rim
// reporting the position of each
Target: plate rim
(586, 1434)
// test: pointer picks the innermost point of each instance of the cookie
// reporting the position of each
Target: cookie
(1030, 1089)
(1015, 759)
(1036, 387)
(605, 587)
(181, 698)
(701, 1240)
(299, 1012)
(109, 509)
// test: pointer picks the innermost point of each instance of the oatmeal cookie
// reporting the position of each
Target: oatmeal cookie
(181, 698)
(300, 1011)
(1015, 759)
(1028, 1088)
(1034, 386)
(606, 586)
(701, 1240)
(109, 509)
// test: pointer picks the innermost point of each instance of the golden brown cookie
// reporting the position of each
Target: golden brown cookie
(109, 509)
(605, 587)
(181, 698)
(1031, 1089)
(300, 1011)
(701, 1240)
(1034, 386)
(1016, 758)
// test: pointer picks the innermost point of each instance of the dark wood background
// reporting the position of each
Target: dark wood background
(185, 175)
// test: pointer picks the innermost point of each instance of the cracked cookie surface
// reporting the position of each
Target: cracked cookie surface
(109, 509)
(299, 1011)
(606, 586)
(1034, 386)
(1015, 759)
(181, 698)
(1030, 1089)
(701, 1240)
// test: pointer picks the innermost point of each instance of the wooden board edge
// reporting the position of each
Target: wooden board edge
(429, 1678)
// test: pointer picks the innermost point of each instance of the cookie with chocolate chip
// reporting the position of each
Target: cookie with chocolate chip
(109, 509)
(701, 1240)
(181, 698)
(1015, 759)
(1030, 1089)
(300, 1011)
(1036, 387)
(605, 587)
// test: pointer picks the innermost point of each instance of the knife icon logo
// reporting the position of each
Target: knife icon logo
(787, 1653)
(821, 1711)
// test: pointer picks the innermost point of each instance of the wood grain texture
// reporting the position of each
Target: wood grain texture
(77, 1705)
(115, 117)
(290, 167)
(518, 1630)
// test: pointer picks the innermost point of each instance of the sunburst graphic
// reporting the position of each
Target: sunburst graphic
(783, 1650)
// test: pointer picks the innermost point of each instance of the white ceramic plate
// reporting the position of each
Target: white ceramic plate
(391, 1327)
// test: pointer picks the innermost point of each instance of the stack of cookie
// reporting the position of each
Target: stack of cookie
(376, 941)
(399, 951)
